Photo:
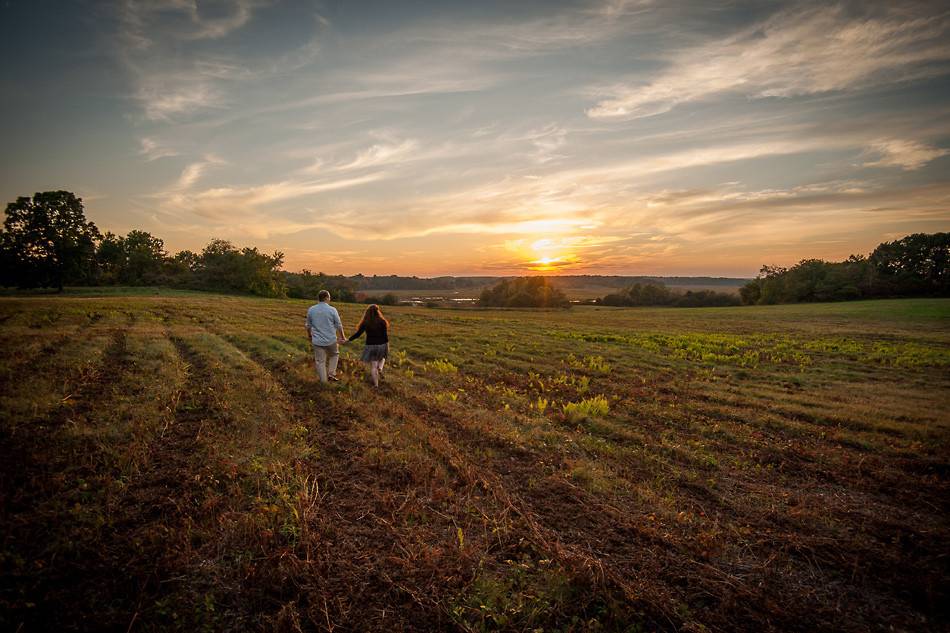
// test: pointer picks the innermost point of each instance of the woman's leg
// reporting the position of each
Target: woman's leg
(382, 362)
(372, 372)
(375, 372)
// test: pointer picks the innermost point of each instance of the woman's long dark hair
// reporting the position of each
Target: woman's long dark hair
(373, 316)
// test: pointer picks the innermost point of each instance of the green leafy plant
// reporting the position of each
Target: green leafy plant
(596, 406)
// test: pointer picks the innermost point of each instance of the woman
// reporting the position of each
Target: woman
(377, 341)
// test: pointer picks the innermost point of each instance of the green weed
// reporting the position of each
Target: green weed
(596, 406)
(441, 366)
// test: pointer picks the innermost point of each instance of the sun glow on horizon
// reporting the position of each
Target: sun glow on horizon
(549, 256)
(550, 264)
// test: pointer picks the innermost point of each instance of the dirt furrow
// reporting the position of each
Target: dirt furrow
(591, 534)
(361, 558)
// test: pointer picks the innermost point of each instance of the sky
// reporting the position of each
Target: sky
(618, 137)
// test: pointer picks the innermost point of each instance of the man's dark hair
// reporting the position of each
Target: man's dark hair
(323, 295)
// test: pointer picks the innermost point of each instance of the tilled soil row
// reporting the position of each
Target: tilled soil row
(365, 569)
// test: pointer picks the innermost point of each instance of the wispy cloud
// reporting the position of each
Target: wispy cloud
(194, 171)
(382, 153)
(251, 207)
(905, 154)
(153, 149)
(180, 59)
(557, 29)
(796, 52)
(191, 21)
(558, 203)
(734, 216)
(547, 141)
(162, 100)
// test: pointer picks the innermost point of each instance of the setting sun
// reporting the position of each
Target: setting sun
(548, 264)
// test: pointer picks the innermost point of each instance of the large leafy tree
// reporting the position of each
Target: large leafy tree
(917, 262)
(47, 241)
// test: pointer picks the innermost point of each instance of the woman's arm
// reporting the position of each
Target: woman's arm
(357, 333)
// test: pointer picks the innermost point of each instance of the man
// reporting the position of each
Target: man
(325, 330)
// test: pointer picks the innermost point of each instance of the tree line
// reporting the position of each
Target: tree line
(47, 242)
(913, 266)
(539, 292)
(657, 294)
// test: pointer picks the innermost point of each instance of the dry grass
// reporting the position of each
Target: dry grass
(170, 462)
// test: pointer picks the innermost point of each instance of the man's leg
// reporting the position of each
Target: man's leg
(320, 360)
(333, 354)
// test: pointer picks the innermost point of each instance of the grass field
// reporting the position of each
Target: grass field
(170, 462)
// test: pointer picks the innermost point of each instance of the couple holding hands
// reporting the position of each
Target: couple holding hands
(325, 331)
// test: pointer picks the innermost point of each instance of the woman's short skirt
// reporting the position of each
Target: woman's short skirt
(375, 352)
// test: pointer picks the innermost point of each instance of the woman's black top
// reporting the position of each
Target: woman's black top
(376, 333)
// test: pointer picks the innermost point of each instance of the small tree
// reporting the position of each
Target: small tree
(48, 242)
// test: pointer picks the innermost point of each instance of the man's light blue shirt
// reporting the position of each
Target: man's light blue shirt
(324, 321)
